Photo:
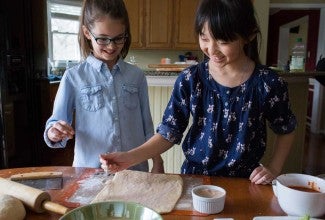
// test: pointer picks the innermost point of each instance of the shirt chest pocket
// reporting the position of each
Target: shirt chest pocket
(92, 98)
(130, 96)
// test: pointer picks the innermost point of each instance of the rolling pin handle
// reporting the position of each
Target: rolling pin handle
(54, 207)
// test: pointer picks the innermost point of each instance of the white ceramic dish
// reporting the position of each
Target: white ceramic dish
(281, 218)
(300, 203)
(208, 199)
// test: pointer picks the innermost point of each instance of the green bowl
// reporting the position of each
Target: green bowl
(112, 210)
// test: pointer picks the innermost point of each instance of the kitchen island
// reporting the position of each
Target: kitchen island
(244, 200)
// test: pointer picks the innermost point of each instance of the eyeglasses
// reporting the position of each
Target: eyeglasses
(106, 40)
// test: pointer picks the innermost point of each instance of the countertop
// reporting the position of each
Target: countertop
(244, 199)
(167, 78)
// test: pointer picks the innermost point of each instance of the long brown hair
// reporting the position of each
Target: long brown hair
(94, 10)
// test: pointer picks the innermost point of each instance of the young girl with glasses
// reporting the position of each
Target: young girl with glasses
(230, 97)
(107, 96)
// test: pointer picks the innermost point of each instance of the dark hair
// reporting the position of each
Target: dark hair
(94, 10)
(228, 20)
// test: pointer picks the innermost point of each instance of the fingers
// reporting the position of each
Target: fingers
(59, 131)
(110, 168)
(64, 128)
(261, 175)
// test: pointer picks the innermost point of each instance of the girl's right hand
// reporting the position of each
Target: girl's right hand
(59, 131)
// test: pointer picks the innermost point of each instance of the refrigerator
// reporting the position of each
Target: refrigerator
(17, 106)
(3, 156)
(13, 107)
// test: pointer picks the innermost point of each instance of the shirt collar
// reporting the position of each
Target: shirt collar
(98, 64)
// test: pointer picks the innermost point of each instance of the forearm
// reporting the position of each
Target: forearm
(282, 147)
(155, 146)
(157, 159)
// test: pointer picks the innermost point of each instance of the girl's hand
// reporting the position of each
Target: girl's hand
(262, 175)
(59, 131)
(114, 162)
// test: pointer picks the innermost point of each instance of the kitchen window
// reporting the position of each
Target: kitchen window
(63, 27)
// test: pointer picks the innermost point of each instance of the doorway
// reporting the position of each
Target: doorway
(301, 23)
(288, 33)
(315, 46)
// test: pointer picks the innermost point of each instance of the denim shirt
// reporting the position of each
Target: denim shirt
(111, 110)
(228, 133)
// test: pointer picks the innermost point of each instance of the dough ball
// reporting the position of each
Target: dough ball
(11, 208)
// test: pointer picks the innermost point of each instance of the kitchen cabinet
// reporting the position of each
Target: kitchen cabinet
(135, 11)
(158, 24)
(184, 15)
(167, 24)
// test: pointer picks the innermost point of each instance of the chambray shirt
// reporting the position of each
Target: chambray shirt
(111, 109)
(228, 133)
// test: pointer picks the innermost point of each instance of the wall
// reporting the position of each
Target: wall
(262, 11)
(286, 16)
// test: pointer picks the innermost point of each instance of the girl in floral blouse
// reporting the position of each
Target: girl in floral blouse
(230, 97)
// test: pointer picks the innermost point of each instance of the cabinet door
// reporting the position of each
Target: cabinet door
(158, 26)
(16, 25)
(184, 15)
(135, 11)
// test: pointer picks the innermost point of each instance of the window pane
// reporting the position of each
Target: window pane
(65, 47)
(64, 28)
(65, 9)
(63, 25)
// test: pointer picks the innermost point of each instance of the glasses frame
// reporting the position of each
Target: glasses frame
(110, 40)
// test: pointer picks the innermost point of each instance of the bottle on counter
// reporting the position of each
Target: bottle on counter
(298, 56)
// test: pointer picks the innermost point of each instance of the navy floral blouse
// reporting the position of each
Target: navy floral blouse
(228, 133)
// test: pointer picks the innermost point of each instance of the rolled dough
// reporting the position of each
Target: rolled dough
(11, 208)
(159, 192)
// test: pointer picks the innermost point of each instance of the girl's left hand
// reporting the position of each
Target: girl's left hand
(262, 175)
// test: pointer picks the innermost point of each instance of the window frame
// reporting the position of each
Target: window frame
(76, 3)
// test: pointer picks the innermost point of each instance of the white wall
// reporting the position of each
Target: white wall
(262, 11)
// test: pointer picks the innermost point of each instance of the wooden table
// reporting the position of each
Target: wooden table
(244, 200)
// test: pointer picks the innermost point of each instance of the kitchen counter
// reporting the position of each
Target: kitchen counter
(244, 200)
(167, 78)
(159, 78)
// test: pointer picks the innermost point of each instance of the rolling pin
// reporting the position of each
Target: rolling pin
(35, 199)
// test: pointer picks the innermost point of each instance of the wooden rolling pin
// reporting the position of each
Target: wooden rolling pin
(35, 199)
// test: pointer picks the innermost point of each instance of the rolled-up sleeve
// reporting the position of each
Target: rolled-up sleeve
(177, 112)
(62, 110)
(278, 111)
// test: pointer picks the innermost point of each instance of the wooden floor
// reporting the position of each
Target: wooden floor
(314, 154)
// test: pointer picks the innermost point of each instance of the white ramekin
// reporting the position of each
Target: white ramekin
(208, 205)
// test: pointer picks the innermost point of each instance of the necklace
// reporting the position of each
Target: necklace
(230, 78)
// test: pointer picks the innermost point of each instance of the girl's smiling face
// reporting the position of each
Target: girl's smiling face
(221, 53)
(106, 27)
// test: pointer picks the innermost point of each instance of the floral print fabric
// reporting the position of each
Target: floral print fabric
(227, 136)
